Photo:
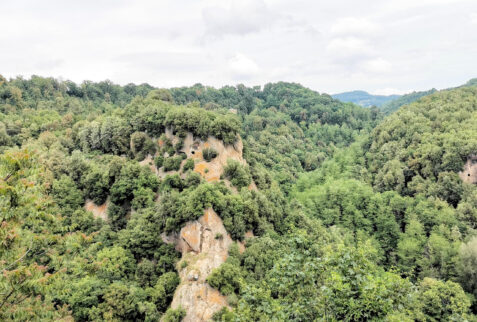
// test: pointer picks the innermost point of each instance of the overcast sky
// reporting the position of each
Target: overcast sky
(382, 46)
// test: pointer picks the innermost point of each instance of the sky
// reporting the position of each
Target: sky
(381, 46)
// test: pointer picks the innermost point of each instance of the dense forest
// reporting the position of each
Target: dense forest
(344, 213)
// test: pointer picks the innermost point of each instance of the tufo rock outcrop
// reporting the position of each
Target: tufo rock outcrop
(469, 174)
(204, 245)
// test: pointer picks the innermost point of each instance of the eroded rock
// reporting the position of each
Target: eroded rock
(202, 252)
(469, 174)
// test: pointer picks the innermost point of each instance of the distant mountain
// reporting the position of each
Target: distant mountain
(394, 105)
(364, 98)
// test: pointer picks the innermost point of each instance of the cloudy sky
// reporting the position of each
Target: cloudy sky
(382, 46)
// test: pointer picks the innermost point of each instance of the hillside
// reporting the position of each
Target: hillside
(364, 99)
(395, 104)
(132, 203)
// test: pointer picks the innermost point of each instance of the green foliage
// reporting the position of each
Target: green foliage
(238, 174)
(395, 104)
(142, 145)
(172, 315)
(188, 165)
(67, 195)
(161, 293)
(348, 223)
(159, 161)
(440, 300)
(172, 163)
(96, 185)
(209, 153)
(467, 267)
(425, 143)
(226, 279)
(115, 263)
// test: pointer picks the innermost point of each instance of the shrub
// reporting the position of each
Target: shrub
(209, 153)
(238, 175)
(174, 315)
(172, 163)
(226, 278)
(189, 165)
(159, 161)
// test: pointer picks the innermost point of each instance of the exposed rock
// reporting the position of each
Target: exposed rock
(191, 235)
(210, 171)
(203, 253)
(100, 211)
(469, 174)
(204, 243)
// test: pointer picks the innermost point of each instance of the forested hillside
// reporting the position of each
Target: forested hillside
(325, 210)
(365, 99)
(395, 104)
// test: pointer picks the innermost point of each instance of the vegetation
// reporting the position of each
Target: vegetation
(209, 154)
(395, 104)
(365, 99)
(354, 218)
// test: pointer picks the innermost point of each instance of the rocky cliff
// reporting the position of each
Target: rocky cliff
(204, 245)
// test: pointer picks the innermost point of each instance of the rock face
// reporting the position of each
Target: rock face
(469, 174)
(204, 245)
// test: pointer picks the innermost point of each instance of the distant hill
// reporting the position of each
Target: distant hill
(394, 105)
(364, 98)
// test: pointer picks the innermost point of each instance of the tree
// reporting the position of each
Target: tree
(467, 267)
(440, 300)
(238, 174)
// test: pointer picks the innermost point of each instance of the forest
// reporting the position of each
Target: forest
(344, 213)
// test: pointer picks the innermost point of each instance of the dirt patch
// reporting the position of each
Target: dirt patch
(99, 211)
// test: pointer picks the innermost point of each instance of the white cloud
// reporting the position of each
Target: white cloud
(329, 46)
(377, 65)
(351, 26)
(473, 18)
(349, 51)
(241, 67)
(239, 17)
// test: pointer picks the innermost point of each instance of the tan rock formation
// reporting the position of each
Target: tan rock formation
(204, 245)
(469, 174)
(212, 170)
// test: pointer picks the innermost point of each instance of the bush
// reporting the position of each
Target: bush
(226, 278)
(179, 145)
(172, 182)
(189, 165)
(174, 315)
(238, 175)
(142, 145)
(159, 161)
(209, 153)
(172, 163)
(164, 289)
(192, 179)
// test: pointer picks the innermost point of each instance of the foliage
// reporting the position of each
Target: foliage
(238, 174)
(176, 315)
(350, 221)
(209, 154)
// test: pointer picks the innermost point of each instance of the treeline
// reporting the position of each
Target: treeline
(355, 217)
